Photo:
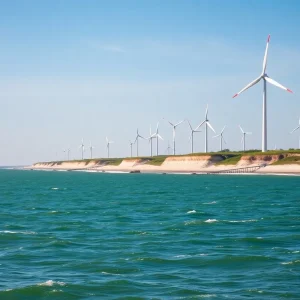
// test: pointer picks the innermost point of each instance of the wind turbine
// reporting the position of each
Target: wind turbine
(221, 138)
(295, 130)
(69, 150)
(158, 136)
(107, 145)
(150, 138)
(64, 151)
(168, 148)
(137, 141)
(174, 134)
(91, 149)
(131, 143)
(206, 122)
(266, 79)
(243, 141)
(82, 148)
(192, 135)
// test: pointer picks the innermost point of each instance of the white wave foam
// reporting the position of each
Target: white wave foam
(291, 262)
(54, 188)
(207, 296)
(51, 283)
(16, 232)
(211, 221)
(213, 202)
(191, 212)
(243, 221)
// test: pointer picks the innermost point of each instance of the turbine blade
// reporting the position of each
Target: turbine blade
(210, 127)
(223, 129)
(157, 127)
(200, 125)
(241, 129)
(206, 112)
(295, 129)
(190, 124)
(266, 57)
(216, 136)
(223, 140)
(242, 139)
(171, 123)
(248, 132)
(160, 137)
(178, 123)
(272, 81)
(248, 86)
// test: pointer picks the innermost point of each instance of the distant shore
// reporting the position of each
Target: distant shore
(289, 163)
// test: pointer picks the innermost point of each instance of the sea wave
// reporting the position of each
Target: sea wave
(17, 232)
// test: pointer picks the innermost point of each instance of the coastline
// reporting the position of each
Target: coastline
(204, 164)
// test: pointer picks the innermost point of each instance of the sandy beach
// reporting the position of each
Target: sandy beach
(182, 164)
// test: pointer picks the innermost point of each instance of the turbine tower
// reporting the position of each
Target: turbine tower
(192, 135)
(158, 136)
(174, 134)
(107, 146)
(168, 149)
(265, 79)
(69, 150)
(206, 122)
(82, 148)
(137, 141)
(295, 130)
(91, 149)
(150, 138)
(131, 143)
(221, 138)
(243, 141)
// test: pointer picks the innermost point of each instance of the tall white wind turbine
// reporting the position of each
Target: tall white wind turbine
(243, 141)
(82, 148)
(295, 130)
(168, 149)
(137, 141)
(174, 134)
(193, 130)
(206, 123)
(150, 138)
(107, 146)
(91, 149)
(158, 136)
(64, 151)
(221, 138)
(265, 79)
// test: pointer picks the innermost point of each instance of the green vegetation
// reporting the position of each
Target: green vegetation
(233, 160)
(288, 160)
(157, 160)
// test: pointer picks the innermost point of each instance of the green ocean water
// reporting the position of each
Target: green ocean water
(74, 235)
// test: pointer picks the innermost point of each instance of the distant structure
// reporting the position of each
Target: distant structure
(107, 146)
(91, 149)
(206, 123)
(131, 147)
(82, 148)
(69, 151)
(191, 137)
(174, 134)
(150, 138)
(158, 136)
(266, 79)
(221, 138)
(295, 130)
(243, 141)
(137, 141)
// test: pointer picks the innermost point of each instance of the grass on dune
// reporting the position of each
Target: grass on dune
(233, 160)
(288, 160)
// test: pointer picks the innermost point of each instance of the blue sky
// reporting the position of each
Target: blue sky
(91, 69)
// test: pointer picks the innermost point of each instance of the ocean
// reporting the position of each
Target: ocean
(76, 235)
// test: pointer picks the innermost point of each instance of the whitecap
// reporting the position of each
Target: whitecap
(291, 262)
(243, 221)
(16, 232)
(191, 212)
(213, 202)
(54, 188)
(211, 221)
(51, 283)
